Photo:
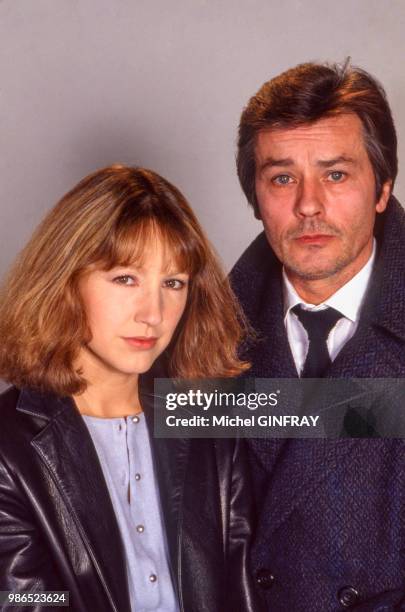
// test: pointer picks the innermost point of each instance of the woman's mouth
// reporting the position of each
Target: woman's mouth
(141, 342)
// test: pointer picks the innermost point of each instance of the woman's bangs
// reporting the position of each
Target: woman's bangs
(131, 244)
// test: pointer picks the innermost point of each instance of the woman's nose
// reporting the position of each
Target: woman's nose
(149, 308)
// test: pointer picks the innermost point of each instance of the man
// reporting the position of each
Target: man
(324, 287)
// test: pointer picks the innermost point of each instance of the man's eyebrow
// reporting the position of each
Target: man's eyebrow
(271, 162)
(342, 159)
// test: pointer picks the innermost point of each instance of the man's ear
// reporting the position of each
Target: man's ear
(257, 213)
(384, 197)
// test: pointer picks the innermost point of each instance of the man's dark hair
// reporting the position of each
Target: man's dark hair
(307, 93)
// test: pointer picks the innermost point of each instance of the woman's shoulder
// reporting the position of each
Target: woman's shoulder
(23, 414)
(9, 398)
(8, 411)
(15, 447)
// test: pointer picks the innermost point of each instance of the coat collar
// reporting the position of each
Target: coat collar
(387, 290)
(381, 331)
(257, 283)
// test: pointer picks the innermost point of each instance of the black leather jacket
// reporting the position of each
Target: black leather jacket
(57, 525)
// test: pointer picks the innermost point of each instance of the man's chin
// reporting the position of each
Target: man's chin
(313, 272)
(313, 276)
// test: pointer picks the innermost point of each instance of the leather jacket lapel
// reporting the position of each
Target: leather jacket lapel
(67, 452)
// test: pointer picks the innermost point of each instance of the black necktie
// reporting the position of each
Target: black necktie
(318, 324)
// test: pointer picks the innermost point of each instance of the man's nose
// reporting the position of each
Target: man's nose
(309, 198)
(149, 307)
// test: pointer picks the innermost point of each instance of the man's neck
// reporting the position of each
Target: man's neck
(315, 291)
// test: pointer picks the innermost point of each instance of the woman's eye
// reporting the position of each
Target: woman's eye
(336, 176)
(282, 179)
(124, 279)
(174, 283)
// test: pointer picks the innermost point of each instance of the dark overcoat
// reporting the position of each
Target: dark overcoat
(331, 532)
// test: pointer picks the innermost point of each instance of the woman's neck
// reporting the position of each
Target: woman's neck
(108, 401)
(108, 394)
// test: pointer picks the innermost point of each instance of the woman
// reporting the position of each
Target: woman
(118, 274)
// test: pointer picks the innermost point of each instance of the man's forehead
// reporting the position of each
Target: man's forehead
(331, 137)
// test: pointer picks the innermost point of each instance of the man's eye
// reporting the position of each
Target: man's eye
(336, 176)
(282, 179)
(174, 283)
(125, 279)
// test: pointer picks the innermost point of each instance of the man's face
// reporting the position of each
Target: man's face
(316, 192)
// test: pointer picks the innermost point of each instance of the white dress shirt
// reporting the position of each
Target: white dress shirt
(347, 300)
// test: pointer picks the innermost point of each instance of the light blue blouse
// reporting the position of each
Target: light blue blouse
(123, 447)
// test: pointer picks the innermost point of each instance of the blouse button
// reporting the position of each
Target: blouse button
(137, 477)
(152, 578)
(140, 528)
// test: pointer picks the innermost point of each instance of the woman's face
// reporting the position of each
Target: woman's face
(132, 313)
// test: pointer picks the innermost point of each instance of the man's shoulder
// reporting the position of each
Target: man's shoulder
(258, 249)
(254, 266)
(390, 227)
(390, 234)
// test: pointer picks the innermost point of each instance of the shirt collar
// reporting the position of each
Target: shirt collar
(347, 300)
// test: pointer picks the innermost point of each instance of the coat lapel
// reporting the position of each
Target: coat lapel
(67, 452)
(272, 352)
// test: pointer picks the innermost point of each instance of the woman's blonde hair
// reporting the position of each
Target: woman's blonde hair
(106, 221)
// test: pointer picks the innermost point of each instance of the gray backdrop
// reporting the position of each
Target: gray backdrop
(161, 83)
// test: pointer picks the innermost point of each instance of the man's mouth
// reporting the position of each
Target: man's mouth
(316, 239)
